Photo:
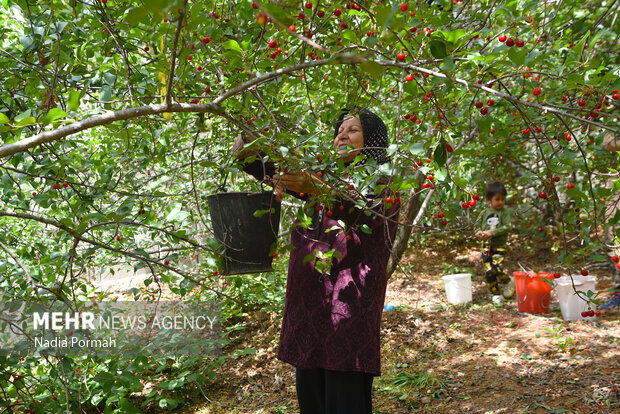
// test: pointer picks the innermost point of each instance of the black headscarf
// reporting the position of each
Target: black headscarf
(374, 130)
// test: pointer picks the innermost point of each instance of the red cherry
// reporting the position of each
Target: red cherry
(490, 102)
(274, 255)
(542, 194)
(401, 56)
(449, 147)
(215, 273)
(581, 102)
(484, 110)
(320, 13)
(440, 214)
(344, 25)
(615, 96)
(472, 203)
(476, 197)
(556, 179)
(146, 48)
(520, 43)
(389, 200)
(526, 131)
(584, 314)
(65, 184)
(319, 174)
(194, 101)
(34, 193)
(444, 222)
(465, 204)
(591, 313)
(615, 259)
(337, 12)
(404, 7)
(409, 78)
(329, 213)
(510, 42)
(537, 91)
(492, 132)
(597, 313)
(351, 187)
(348, 237)
(502, 38)
(341, 208)
(557, 275)
(104, 1)
(273, 43)
(584, 272)
(254, 5)
(301, 16)
(479, 104)
(55, 186)
(308, 5)
(166, 262)
(207, 90)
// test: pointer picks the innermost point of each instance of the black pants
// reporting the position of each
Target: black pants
(321, 391)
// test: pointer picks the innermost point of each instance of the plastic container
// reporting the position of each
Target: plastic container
(571, 304)
(458, 287)
(533, 293)
(247, 239)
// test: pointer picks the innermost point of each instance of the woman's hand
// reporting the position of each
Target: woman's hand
(238, 145)
(300, 182)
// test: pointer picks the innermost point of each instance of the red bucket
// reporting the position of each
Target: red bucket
(533, 293)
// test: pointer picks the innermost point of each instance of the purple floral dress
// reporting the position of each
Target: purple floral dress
(332, 321)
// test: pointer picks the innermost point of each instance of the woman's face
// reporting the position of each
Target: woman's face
(350, 135)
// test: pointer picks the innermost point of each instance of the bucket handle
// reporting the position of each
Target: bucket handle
(542, 300)
(222, 186)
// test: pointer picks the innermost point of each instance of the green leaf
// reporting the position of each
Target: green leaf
(74, 100)
(453, 36)
(52, 115)
(232, 45)
(517, 56)
(23, 115)
(261, 213)
(136, 14)
(4, 119)
(461, 182)
(365, 229)
(384, 16)
(26, 121)
(438, 49)
(105, 94)
(440, 153)
(169, 403)
(448, 65)
(128, 407)
(109, 78)
(578, 48)
(26, 41)
(373, 69)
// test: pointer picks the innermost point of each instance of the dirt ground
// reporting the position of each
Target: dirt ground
(441, 358)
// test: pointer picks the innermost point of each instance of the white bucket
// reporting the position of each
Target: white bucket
(571, 304)
(458, 287)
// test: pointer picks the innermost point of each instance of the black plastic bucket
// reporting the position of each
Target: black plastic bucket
(246, 225)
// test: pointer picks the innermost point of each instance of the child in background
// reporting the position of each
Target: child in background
(494, 229)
